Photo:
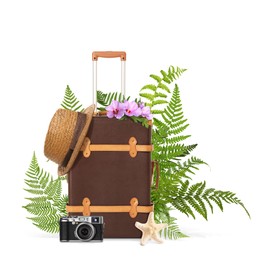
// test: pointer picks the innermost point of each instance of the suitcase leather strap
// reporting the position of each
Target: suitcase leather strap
(131, 147)
(133, 209)
(155, 166)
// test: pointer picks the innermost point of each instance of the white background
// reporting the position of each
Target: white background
(45, 45)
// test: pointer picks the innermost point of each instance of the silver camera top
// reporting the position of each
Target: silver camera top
(90, 219)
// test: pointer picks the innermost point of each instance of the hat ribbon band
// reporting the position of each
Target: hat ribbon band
(79, 126)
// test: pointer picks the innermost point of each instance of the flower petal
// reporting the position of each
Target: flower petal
(141, 105)
(149, 117)
(109, 108)
(110, 114)
(146, 112)
(115, 104)
(120, 114)
(133, 105)
(137, 112)
(121, 106)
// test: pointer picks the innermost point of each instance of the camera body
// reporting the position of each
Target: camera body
(81, 228)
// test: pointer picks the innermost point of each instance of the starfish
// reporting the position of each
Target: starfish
(150, 230)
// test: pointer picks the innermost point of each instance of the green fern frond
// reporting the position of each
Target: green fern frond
(48, 205)
(172, 231)
(177, 139)
(105, 99)
(161, 95)
(156, 111)
(174, 151)
(198, 197)
(148, 96)
(70, 102)
(177, 128)
(162, 83)
(48, 223)
(155, 77)
(62, 205)
(40, 208)
(35, 191)
(149, 87)
(190, 165)
(164, 87)
(181, 205)
(159, 102)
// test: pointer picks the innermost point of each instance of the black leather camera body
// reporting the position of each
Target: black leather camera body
(81, 228)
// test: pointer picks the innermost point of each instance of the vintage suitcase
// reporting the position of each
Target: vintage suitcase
(111, 176)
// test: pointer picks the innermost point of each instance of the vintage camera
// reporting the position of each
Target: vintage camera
(80, 228)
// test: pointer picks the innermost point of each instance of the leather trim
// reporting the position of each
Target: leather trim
(133, 209)
(132, 147)
(155, 165)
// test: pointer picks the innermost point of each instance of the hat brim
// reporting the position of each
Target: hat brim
(89, 114)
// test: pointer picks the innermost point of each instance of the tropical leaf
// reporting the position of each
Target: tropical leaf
(196, 197)
(70, 101)
(48, 205)
(152, 92)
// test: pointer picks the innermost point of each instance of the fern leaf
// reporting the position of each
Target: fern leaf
(148, 96)
(40, 208)
(209, 203)
(156, 111)
(182, 205)
(201, 188)
(167, 80)
(197, 197)
(47, 223)
(32, 184)
(194, 188)
(105, 99)
(158, 102)
(149, 87)
(184, 187)
(164, 74)
(163, 87)
(48, 205)
(34, 191)
(178, 150)
(62, 204)
(177, 139)
(160, 95)
(217, 201)
(168, 135)
(193, 202)
(155, 77)
(70, 101)
(172, 231)
(37, 199)
(175, 130)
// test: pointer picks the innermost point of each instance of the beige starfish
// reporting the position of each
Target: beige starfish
(150, 230)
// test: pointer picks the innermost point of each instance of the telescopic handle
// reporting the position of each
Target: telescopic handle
(109, 54)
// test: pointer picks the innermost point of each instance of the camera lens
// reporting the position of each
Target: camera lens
(85, 231)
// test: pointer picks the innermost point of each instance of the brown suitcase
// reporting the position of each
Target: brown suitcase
(114, 180)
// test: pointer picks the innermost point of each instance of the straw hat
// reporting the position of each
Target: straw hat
(65, 137)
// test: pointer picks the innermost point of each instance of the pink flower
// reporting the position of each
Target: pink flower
(116, 109)
(146, 112)
(132, 109)
(141, 105)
